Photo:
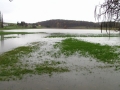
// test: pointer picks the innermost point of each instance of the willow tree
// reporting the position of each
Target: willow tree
(109, 12)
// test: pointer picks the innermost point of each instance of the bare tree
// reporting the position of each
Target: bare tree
(109, 11)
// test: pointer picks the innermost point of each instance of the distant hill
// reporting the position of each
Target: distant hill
(59, 23)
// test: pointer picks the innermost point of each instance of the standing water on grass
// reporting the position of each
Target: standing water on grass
(10, 41)
(85, 72)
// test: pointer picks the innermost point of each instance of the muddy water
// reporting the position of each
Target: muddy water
(66, 81)
(84, 75)
(86, 72)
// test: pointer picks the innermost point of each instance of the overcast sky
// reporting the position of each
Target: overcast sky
(41, 10)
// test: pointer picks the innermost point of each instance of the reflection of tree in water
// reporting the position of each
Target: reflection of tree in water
(2, 40)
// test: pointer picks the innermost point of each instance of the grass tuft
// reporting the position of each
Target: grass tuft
(50, 66)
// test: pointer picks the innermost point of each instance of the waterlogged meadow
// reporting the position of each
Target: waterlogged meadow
(13, 65)
(60, 60)
(101, 52)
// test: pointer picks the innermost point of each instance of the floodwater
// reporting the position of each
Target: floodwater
(86, 72)
(7, 44)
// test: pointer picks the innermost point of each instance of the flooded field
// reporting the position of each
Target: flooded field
(59, 59)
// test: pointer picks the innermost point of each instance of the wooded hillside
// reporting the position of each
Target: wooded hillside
(58, 23)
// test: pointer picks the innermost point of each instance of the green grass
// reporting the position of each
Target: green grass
(54, 35)
(10, 64)
(17, 72)
(6, 33)
(14, 27)
(11, 37)
(12, 68)
(50, 67)
(18, 27)
(101, 52)
(12, 57)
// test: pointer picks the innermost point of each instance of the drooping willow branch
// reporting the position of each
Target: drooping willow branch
(109, 11)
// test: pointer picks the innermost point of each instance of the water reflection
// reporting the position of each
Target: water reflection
(7, 44)
(2, 40)
(103, 40)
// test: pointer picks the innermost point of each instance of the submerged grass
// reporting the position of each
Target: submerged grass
(54, 35)
(11, 67)
(11, 57)
(50, 67)
(10, 64)
(11, 37)
(101, 52)
(6, 33)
